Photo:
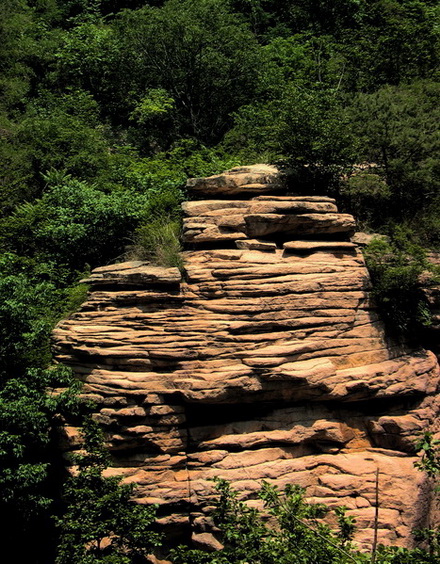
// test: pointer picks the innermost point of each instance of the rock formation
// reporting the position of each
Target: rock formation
(265, 359)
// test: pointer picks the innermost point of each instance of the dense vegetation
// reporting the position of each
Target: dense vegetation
(106, 106)
(296, 533)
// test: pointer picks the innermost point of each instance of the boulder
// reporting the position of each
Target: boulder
(255, 179)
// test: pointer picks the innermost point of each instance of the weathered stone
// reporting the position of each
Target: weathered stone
(311, 246)
(206, 207)
(290, 207)
(133, 273)
(216, 221)
(256, 366)
(363, 239)
(206, 541)
(296, 198)
(253, 179)
(261, 225)
(256, 245)
(223, 208)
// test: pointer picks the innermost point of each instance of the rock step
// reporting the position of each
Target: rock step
(261, 225)
(295, 198)
(239, 180)
(130, 273)
(221, 208)
(231, 226)
(256, 245)
(311, 246)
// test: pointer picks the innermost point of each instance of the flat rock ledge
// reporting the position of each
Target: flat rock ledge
(267, 360)
(133, 273)
(254, 179)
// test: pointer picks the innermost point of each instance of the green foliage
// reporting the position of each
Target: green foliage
(430, 459)
(296, 535)
(164, 175)
(395, 267)
(87, 57)
(368, 196)
(307, 128)
(17, 40)
(346, 524)
(382, 41)
(100, 524)
(429, 463)
(299, 115)
(159, 242)
(200, 53)
(394, 41)
(75, 224)
(426, 224)
(155, 103)
(107, 106)
(28, 457)
(26, 414)
(16, 181)
(396, 129)
(75, 295)
(254, 137)
(314, 130)
(63, 134)
(25, 321)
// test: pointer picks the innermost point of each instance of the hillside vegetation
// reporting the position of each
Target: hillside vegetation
(107, 106)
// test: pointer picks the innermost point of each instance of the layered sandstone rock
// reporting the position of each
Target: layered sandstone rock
(265, 360)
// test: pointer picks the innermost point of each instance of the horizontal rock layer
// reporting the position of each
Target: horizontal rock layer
(266, 361)
(220, 221)
(255, 179)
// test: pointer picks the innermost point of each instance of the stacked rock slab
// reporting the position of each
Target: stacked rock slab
(265, 360)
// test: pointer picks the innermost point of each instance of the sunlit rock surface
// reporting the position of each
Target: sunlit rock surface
(264, 360)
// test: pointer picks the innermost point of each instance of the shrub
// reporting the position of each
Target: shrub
(158, 241)
(395, 127)
(395, 267)
(366, 195)
(296, 534)
(30, 463)
(74, 224)
(101, 524)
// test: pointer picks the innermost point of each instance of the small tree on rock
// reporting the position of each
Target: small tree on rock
(101, 524)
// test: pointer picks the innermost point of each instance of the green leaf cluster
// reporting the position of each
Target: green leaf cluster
(396, 266)
(288, 530)
(31, 405)
(100, 523)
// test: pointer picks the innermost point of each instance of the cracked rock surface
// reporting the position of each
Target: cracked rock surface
(266, 360)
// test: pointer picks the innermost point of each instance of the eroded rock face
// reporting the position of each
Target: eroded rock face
(265, 360)
(254, 179)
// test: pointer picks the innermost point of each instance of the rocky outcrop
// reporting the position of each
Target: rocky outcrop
(265, 360)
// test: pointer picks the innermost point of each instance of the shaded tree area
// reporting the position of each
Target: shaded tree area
(296, 532)
(107, 106)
